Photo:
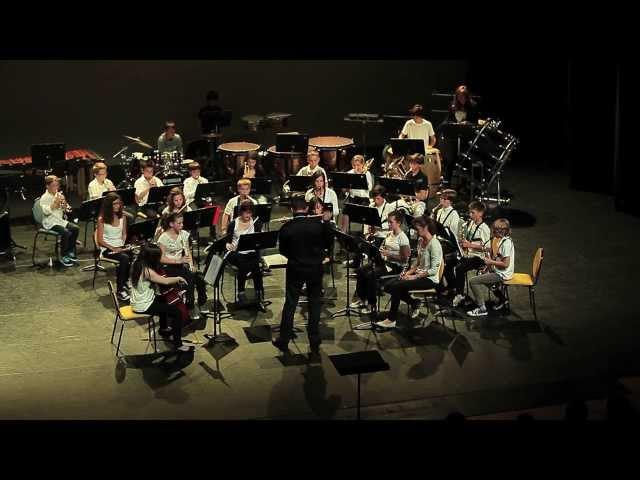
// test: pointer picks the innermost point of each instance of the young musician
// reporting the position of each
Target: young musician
(178, 261)
(501, 268)
(422, 275)
(176, 202)
(357, 196)
(144, 300)
(445, 214)
(419, 207)
(313, 160)
(100, 182)
(244, 187)
(463, 108)
(111, 233)
(323, 193)
(250, 169)
(169, 141)
(54, 207)
(416, 161)
(384, 208)
(144, 184)
(191, 184)
(418, 127)
(475, 235)
(247, 261)
(395, 252)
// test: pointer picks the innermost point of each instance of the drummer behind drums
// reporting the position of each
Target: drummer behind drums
(191, 184)
(169, 141)
(100, 182)
(230, 210)
(357, 196)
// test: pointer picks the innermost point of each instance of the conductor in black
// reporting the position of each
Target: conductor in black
(303, 240)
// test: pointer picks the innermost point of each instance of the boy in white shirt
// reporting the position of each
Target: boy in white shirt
(313, 160)
(53, 206)
(191, 184)
(100, 182)
(244, 187)
(419, 128)
(144, 184)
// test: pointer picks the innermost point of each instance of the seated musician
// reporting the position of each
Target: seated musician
(144, 184)
(191, 184)
(475, 236)
(313, 160)
(395, 252)
(499, 269)
(176, 202)
(144, 272)
(419, 206)
(357, 196)
(416, 161)
(419, 128)
(247, 261)
(230, 210)
(178, 261)
(100, 182)
(111, 232)
(422, 275)
(54, 207)
(445, 214)
(169, 141)
(323, 193)
(250, 169)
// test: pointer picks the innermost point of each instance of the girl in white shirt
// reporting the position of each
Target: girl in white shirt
(176, 203)
(357, 196)
(323, 193)
(111, 234)
(144, 273)
(54, 205)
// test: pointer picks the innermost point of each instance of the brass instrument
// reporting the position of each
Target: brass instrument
(395, 169)
(367, 165)
(66, 208)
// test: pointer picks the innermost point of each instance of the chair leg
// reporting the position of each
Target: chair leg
(155, 340)
(95, 272)
(113, 332)
(33, 253)
(120, 339)
(532, 292)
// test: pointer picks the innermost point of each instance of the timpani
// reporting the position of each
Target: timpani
(285, 163)
(333, 151)
(234, 154)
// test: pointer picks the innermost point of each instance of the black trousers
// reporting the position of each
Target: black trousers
(122, 271)
(69, 235)
(247, 263)
(293, 286)
(167, 312)
(465, 265)
(194, 282)
(368, 280)
(399, 290)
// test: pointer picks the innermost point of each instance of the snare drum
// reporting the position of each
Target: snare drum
(334, 151)
(234, 155)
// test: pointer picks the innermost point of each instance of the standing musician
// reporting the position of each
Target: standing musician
(244, 187)
(144, 184)
(422, 275)
(395, 252)
(111, 233)
(416, 161)
(418, 127)
(463, 108)
(304, 242)
(499, 268)
(144, 299)
(191, 184)
(54, 209)
(475, 236)
(247, 261)
(169, 141)
(357, 196)
(178, 261)
(323, 193)
(100, 182)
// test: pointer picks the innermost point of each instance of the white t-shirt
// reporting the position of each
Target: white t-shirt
(506, 249)
(429, 259)
(481, 232)
(143, 184)
(235, 202)
(360, 192)
(237, 233)
(51, 216)
(449, 217)
(96, 189)
(307, 172)
(393, 243)
(460, 115)
(142, 295)
(190, 186)
(383, 210)
(422, 130)
(174, 248)
(329, 197)
(113, 235)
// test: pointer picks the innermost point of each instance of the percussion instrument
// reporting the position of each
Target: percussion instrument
(138, 141)
(252, 121)
(278, 119)
(234, 154)
(285, 163)
(432, 169)
(331, 145)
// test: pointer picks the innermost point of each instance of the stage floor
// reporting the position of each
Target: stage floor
(56, 361)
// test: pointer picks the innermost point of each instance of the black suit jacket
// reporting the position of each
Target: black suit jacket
(304, 242)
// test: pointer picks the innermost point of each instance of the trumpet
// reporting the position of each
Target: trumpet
(66, 208)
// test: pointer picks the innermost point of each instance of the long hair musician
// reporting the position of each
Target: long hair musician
(323, 193)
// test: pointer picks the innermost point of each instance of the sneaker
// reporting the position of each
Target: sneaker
(185, 348)
(194, 314)
(123, 295)
(477, 312)
(501, 305)
(386, 324)
(66, 261)
(415, 311)
(356, 304)
(457, 300)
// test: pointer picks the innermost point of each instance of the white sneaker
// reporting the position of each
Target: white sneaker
(195, 313)
(123, 295)
(356, 304)
(386, 324)
(458, 300)
(477, 312)
(415, 312)
(501, 305)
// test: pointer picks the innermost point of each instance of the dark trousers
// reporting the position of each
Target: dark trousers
(465, 265)
(167, 312)
(293, 286)
(247, 263)
(69, 235)
(194, 282)
(399, 290)
(368, 278)
(122, 271)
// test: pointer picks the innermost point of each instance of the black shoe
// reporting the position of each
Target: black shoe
(280, 346)
(164, 332)
(261, 307)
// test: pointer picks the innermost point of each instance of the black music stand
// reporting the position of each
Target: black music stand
(407, 146)
(195, 219)
(159, 194)
(300, 183)
(350, 244)
(45, 156)
(128, 195)
(352, 181)
(258, 241)
(292, 143)
(141, 231)
(261, 186)
(212, 189)
(88, 213)
(357, 363)
(212, 276)
(398, 187)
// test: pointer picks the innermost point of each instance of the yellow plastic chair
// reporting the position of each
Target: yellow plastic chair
(529, 281)
(125, 314)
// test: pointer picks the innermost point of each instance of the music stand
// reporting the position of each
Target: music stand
(44, 156)
(260, 210)
(398, 187)
(212, 276)
(353, 181)
(159, 194)
(194, 219)
(292, 143)
(300, 183)
(211, 189)
(141, 231)
(258, 241)
(261, 186)
(88, 213)
(407, 146)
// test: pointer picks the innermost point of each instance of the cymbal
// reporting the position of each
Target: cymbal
(252, 118)
(278, 115)
(211, 135)
(138, 141)
(402, 117)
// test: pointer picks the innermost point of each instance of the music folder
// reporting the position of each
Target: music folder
(361, 214)
(211, 189)
(407, 146)
(198, 218)
(159, 194)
